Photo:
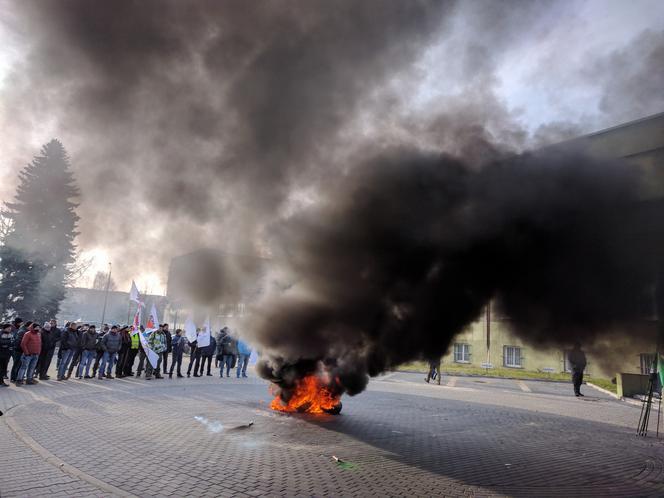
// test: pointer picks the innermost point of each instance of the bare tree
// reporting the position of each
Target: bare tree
(101, 278)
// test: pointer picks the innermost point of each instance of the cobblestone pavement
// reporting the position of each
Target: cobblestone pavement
(188, 437)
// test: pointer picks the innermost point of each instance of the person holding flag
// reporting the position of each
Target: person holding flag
(157, 344)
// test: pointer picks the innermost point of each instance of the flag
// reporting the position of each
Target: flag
(153, 321)
(204, 338)
(190, 329)
(151, 325)
(135, 326)
(133, 294)
(152, 357)
(660, 369)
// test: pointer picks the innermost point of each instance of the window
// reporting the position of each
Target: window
(647, 361)
(461, 353)
(512, 356)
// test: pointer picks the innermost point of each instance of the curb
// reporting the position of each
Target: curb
(605, 391)
(456, 374)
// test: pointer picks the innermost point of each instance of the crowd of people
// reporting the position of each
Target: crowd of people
(112, 351)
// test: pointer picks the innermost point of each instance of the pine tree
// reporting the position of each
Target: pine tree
(38, 252)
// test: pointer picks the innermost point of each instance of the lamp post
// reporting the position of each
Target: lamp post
(108, 284)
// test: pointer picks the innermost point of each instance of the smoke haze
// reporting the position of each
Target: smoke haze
(371, 149)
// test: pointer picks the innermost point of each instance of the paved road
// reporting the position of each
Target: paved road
(187, 437)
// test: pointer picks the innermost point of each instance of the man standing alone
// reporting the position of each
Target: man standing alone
(577, 361)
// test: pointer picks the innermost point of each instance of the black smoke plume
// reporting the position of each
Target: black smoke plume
(406, 250)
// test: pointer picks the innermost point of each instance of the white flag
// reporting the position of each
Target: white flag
(133, 294)
(152, 357)
(204, 338)
(190, 329)
(153, 320)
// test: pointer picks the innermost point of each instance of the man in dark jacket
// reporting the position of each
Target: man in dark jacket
(134, 345)
(111, 344)
(228, 349)
(68, 344)
(124, 351)
(178, 350)
(100, 349)
(207, 353)
(169, 347)
(88, 352)
(194, 355)
(18, 352)
(577, 361)
(50, 337)
(6, 350)
(78, 349)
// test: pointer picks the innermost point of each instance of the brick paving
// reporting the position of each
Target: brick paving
(131, 437)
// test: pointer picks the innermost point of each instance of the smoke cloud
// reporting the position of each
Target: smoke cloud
(405, 251)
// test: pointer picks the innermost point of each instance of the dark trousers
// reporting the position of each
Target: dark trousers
(164, 361)
(4, 362)
(129, 362)
(44, 364)
(16, 357)
(122, 357)
(141, 362)
(577, 380)
(194, 359)
(95, 367)
(176, 360)
(149, 370)
(205, 358)
(75, 360)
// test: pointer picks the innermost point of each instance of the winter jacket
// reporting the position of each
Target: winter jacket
(243, 348)
(577, 359)
(89, 341)
(6, 345)
(69, 339)
(228, 345)
(48, 339)
(56, 335)
(111, 342)
(31, 343)
(210, 349)
(18, 339)
(157, 341)
(177, 344)
(169, 340)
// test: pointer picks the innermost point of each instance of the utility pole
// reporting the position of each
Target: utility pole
(108, 285)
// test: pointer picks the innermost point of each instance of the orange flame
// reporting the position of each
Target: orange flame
(310, 396)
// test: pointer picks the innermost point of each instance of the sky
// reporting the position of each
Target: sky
(196, 128)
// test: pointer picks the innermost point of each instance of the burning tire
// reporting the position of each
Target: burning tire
(335, 410)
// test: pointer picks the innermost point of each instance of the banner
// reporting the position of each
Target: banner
(204, 338)
(136, 324)
(190, 329)
(153, 320)
(133, 294)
